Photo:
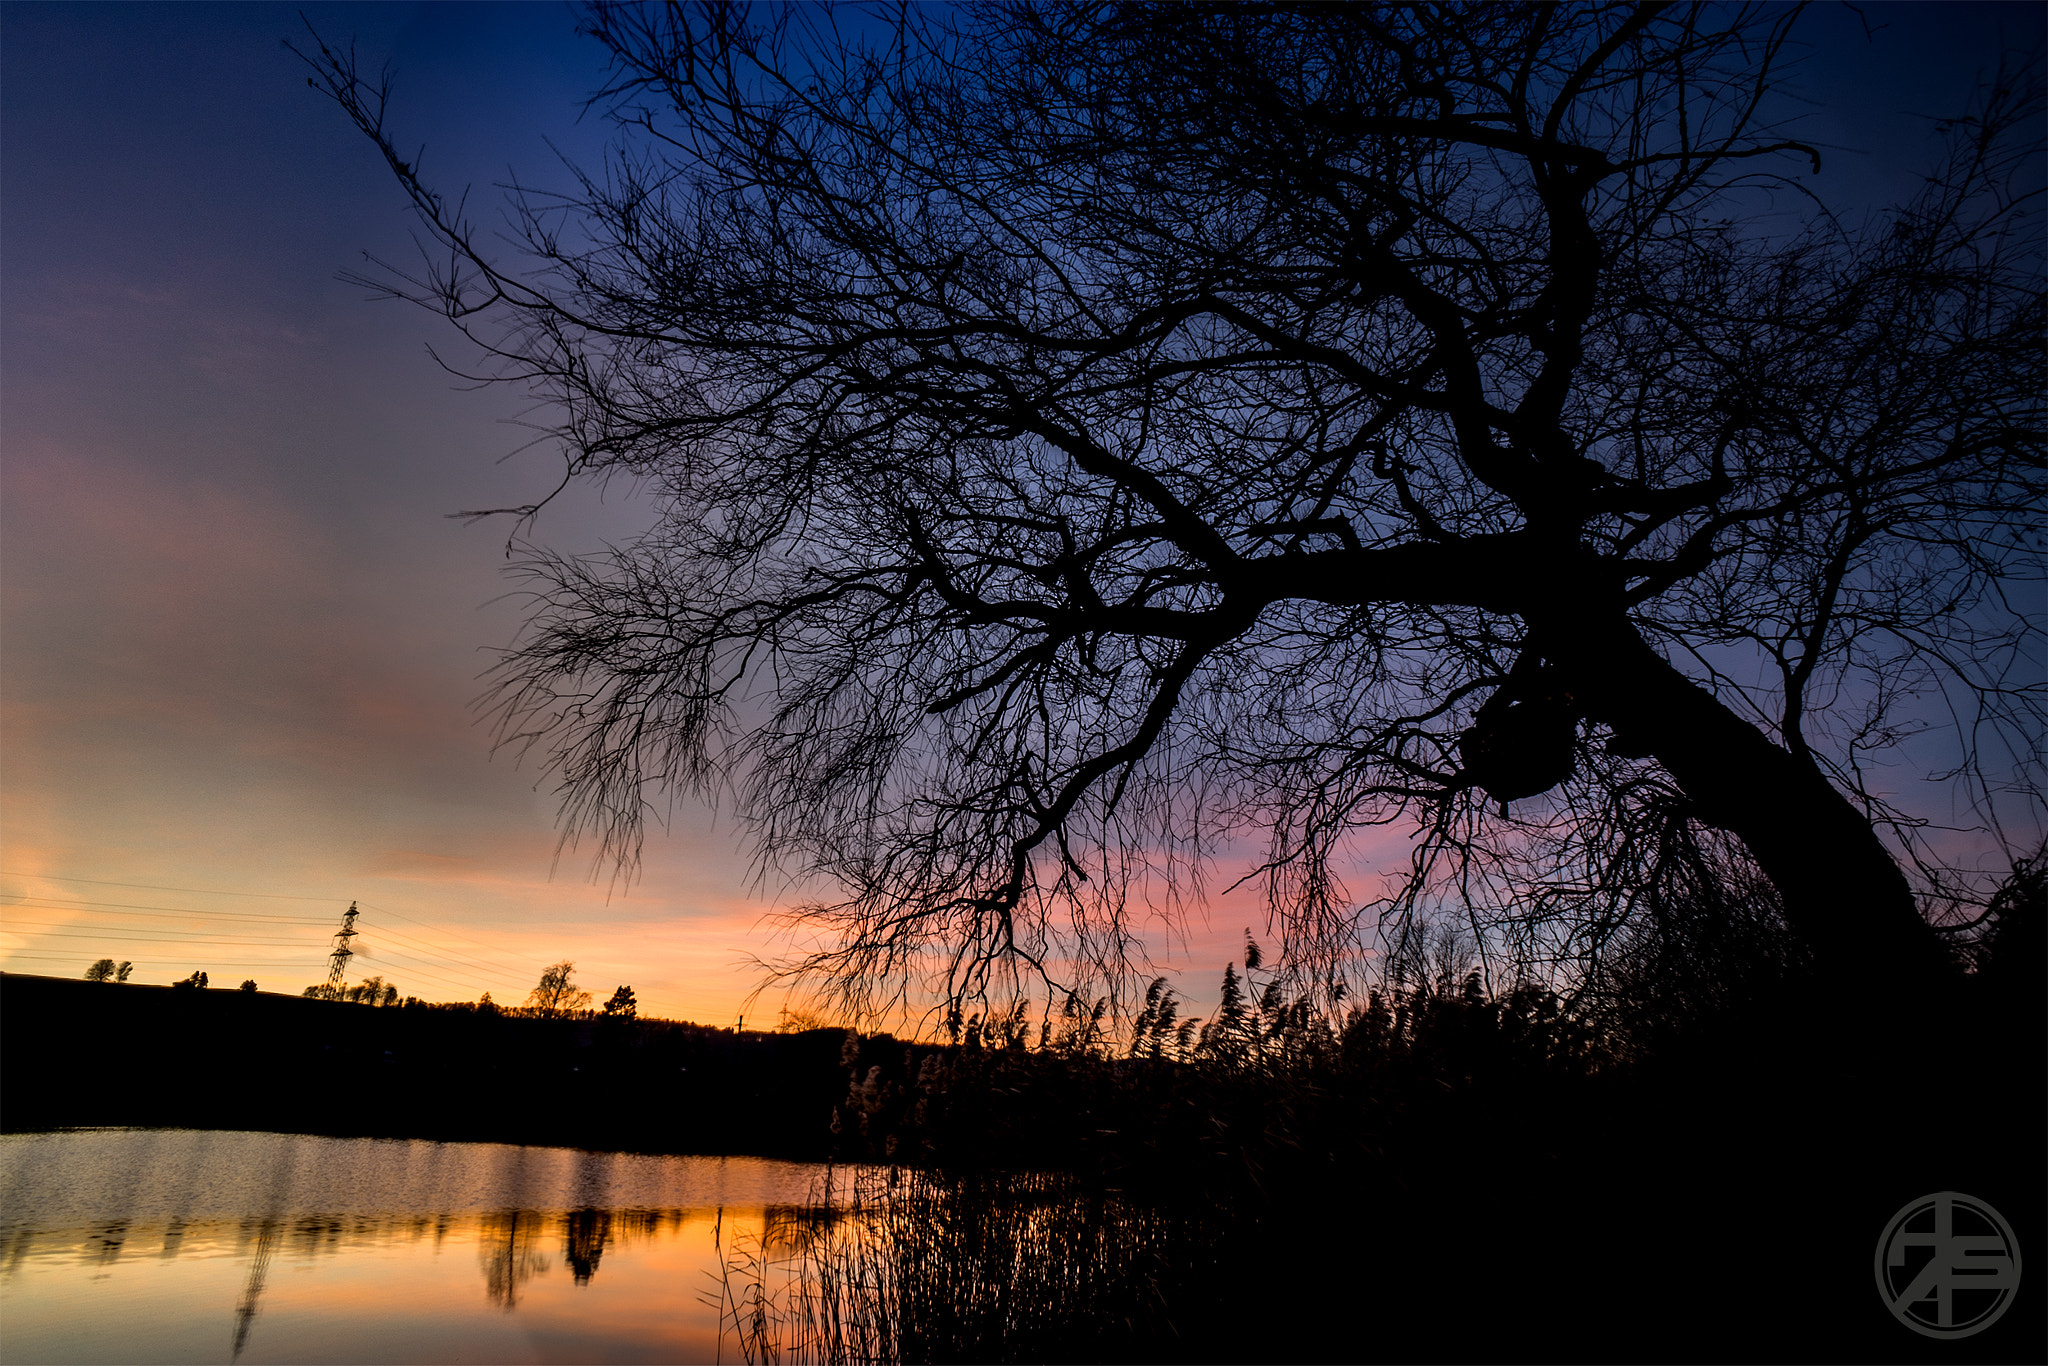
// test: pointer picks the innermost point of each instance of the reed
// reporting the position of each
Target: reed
(988, 1266)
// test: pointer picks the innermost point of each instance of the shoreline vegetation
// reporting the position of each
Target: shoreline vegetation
(1438, 1172)
(86, 1054)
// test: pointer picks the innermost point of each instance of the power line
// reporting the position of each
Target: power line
(264, 964)
(518, 973)
(169, 939)
(197, 953)
(454, 968)
(276, 896)
(502, 966)
(516, 976)
(438, 971)
(452, 956)
(443, 964)
(267, 965)
(436, 952)
(381, 910)
(158, 887)
(165, 912)
(200, 939)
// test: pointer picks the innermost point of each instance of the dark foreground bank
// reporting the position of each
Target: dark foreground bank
(1466, 1185)
(1459, 1179)
(75, 1053)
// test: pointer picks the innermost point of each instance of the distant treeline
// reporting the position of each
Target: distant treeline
(1272, 1082)
(75, 1053)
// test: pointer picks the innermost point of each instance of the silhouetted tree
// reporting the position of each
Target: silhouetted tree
(121, 973)
(585, 1232)
(2012, 940)
(102, 971)
(249, 985)
(557, 994)
(622, 1003)
(371, 991)
(197, 981)
(1104, 429)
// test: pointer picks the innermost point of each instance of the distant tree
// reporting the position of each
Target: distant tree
(121, 973)
(371, 991)
(249, 984)
(197, 981)
(622, 1003)
(101, 971)
(1084, 435)
(557, 994)
(485, 1004)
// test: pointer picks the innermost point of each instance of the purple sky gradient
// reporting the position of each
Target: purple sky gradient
(241, 636)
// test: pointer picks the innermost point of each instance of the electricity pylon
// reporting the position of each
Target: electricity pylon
(337, 966)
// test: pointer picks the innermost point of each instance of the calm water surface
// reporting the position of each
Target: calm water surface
(135, 1245)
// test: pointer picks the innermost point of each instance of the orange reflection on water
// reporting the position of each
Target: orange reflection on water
(516, 1285)
(168, 1246)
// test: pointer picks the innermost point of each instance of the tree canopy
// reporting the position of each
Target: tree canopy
(557, 993)
(1087, 439)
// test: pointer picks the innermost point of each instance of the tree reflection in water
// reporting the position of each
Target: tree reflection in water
(386, 1242)
(584, 1239)
(508, 1245)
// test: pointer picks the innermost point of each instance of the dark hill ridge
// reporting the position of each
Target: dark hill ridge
(77, 1053)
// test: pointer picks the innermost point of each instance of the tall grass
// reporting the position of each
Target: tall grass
(925, 1266)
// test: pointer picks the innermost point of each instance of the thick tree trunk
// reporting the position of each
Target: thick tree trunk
(1843, 892)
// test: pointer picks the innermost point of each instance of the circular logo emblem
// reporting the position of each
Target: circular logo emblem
(1947, 1265)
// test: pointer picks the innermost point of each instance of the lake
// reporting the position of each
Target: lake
(175, 1245)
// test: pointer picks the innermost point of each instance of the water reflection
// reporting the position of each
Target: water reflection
(190, 1245)
(588, 1229)
(510, 1252)
(259, 1267)
(194, 1246)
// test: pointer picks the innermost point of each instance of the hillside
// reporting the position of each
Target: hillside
(76, 1053)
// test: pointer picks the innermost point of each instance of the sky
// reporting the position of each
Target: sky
(239, 635)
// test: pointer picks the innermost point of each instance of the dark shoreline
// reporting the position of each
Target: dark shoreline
(77, 1054)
